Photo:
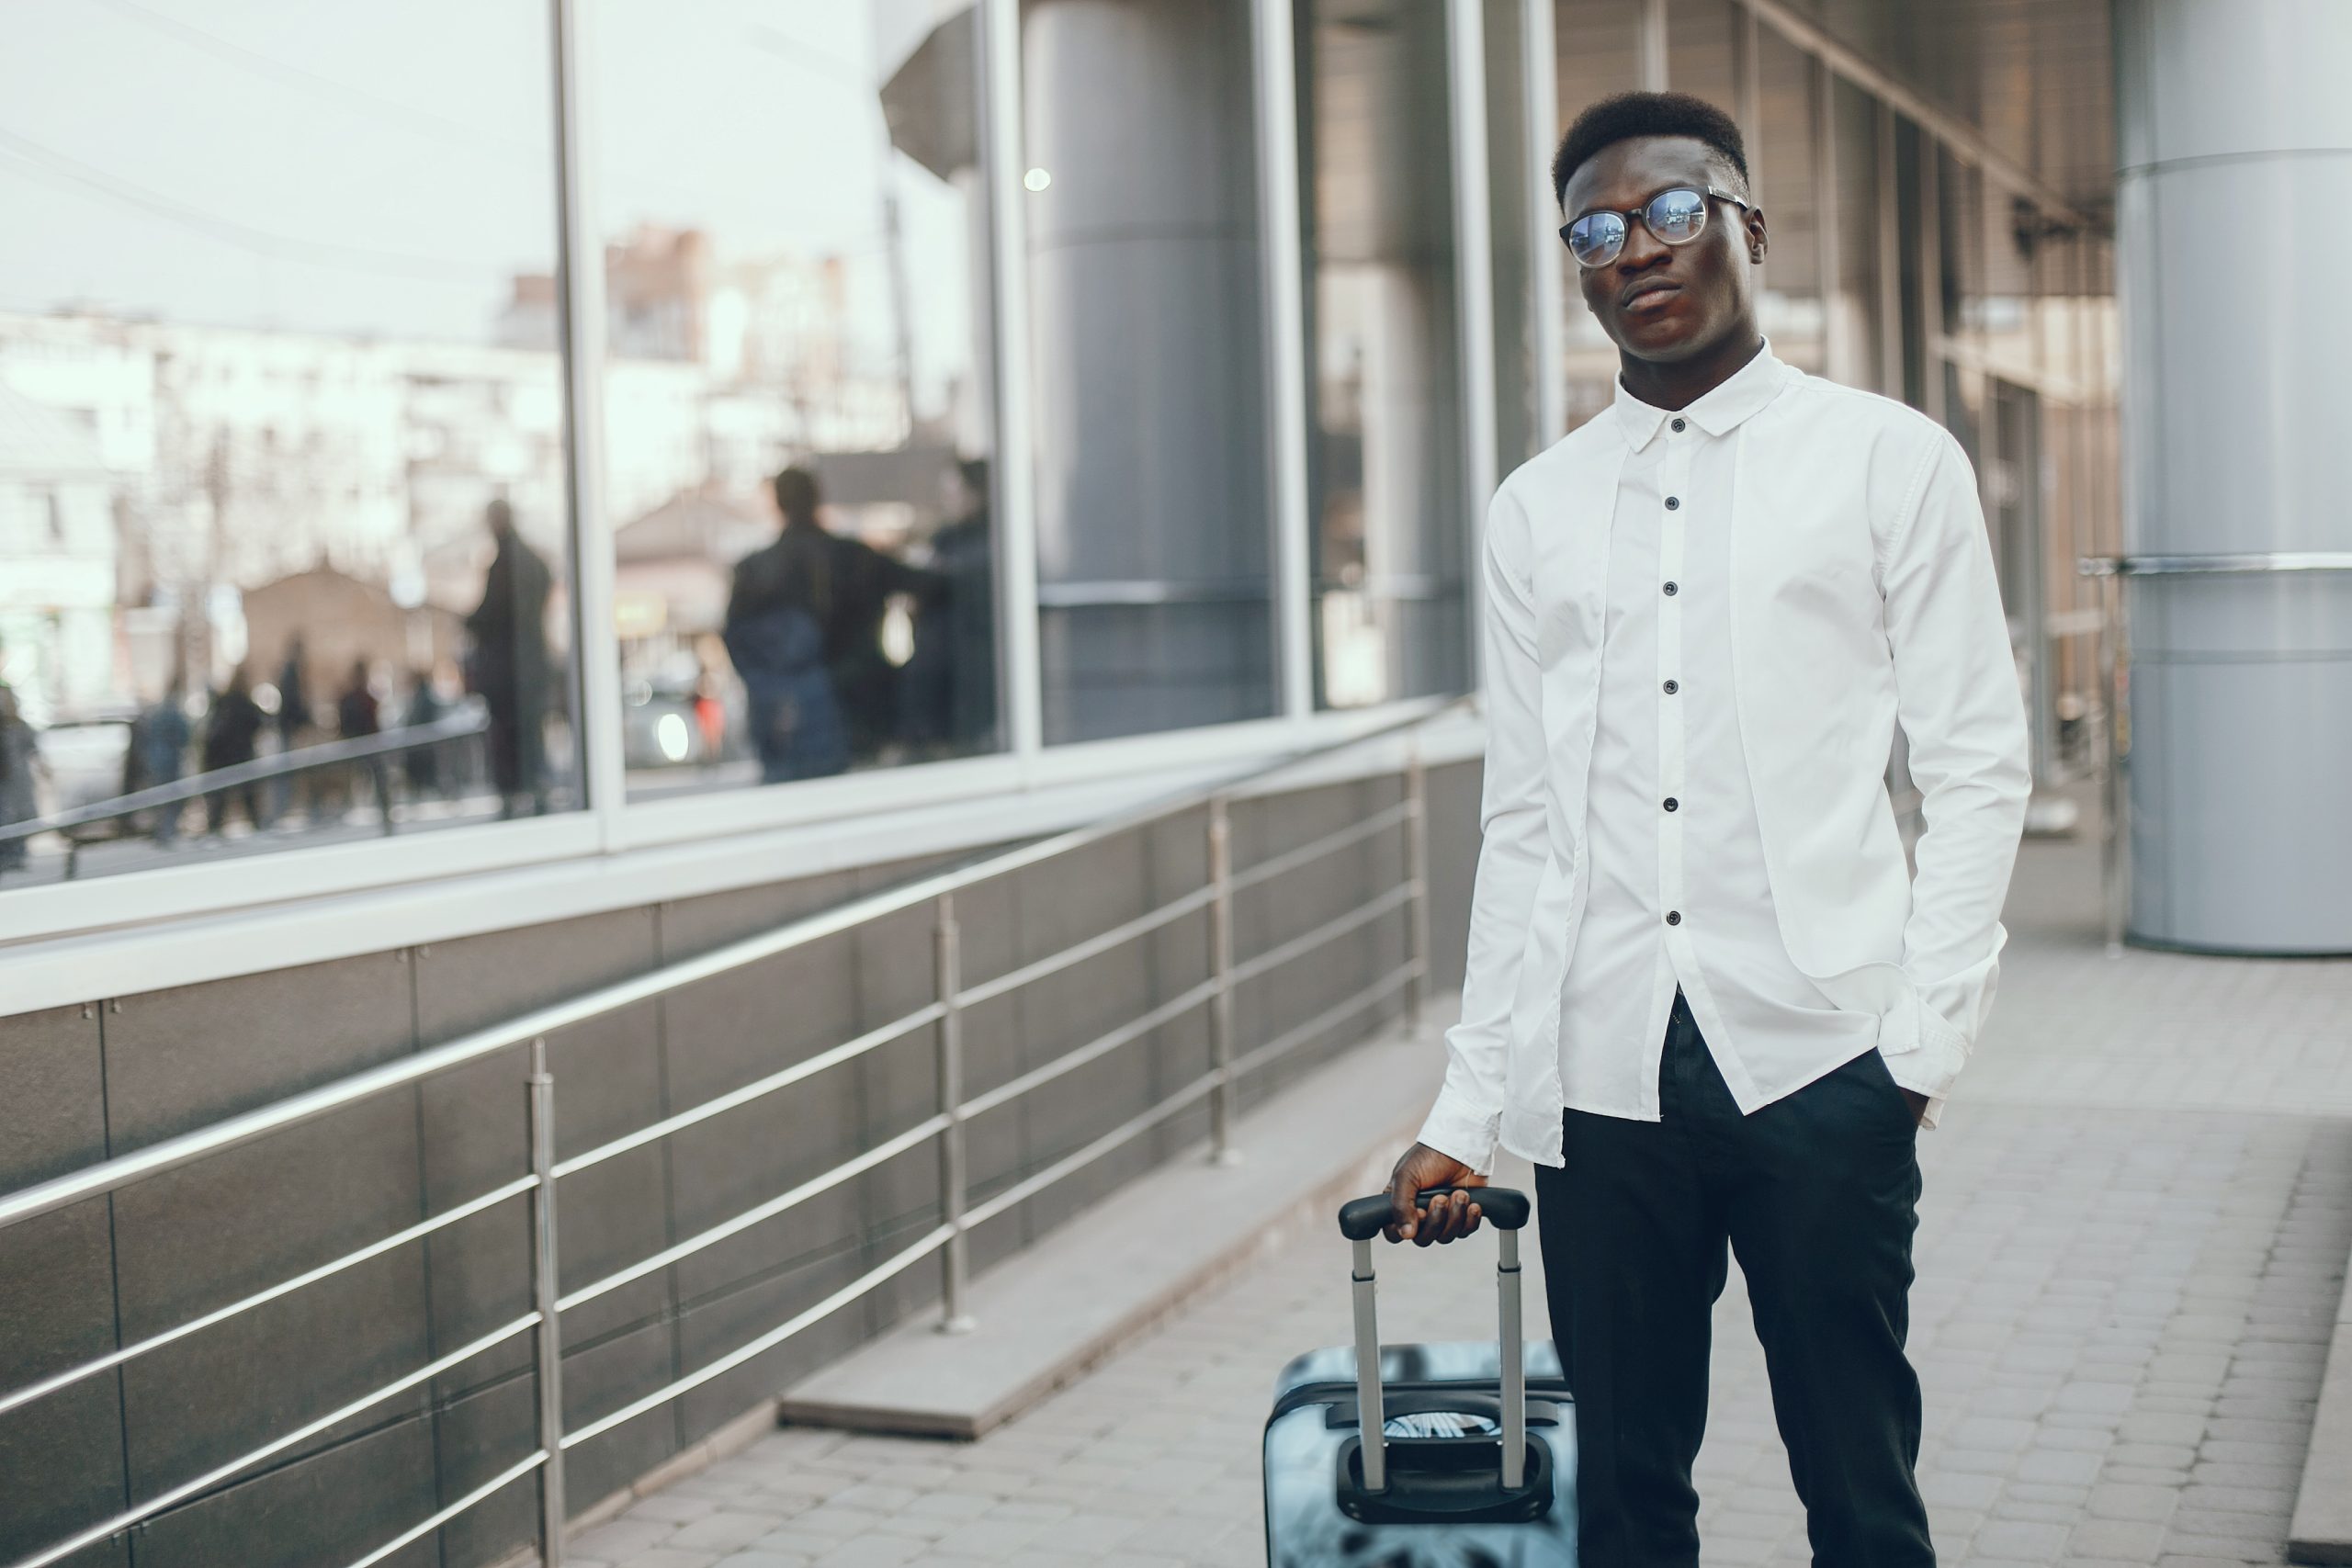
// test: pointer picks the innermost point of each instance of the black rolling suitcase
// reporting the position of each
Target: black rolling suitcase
(1467, 1459)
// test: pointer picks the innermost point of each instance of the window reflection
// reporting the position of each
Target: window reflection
(275, 486)
(1388, 484)
(796, 412)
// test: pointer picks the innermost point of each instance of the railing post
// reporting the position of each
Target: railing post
(544, 1290)
(1221, 1150)
(1417, 881)
(953, 1262)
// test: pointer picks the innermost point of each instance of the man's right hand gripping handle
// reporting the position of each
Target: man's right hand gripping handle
(1450, 1216)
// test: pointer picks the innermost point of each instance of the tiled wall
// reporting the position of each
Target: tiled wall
(78, 1083)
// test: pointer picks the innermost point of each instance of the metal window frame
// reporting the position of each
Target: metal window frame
(1274, 65)
(1473, 273)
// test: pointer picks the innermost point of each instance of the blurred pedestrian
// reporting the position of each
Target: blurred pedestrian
(948, 688)
(357, 717)
(509, 664)
(163, 734)
(421, 765)
(777, 611)
(232, 737)
(293, 718)
(20, 759)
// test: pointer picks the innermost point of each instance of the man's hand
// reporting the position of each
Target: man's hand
(1448, 1218)
(1917, 1101)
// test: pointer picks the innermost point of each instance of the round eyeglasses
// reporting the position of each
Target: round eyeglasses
(1677, 216)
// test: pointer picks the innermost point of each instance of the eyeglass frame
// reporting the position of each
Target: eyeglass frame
(1642, 212)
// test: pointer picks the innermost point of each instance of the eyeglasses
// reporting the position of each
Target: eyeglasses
(1677, 216)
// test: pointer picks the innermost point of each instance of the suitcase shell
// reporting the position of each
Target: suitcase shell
(1466, 1469)
(1314, 1421)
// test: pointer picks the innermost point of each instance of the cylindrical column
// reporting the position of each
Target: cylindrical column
(1221, 973)
(1417, 878)
(953, 1258)
(1154, 553)
(546, 1285)
(2233, 204)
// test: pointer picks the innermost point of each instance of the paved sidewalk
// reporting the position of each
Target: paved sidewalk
(2132, 1243)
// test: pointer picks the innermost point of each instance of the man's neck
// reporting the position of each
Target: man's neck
(1682, 382)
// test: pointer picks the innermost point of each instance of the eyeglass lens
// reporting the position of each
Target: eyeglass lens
(1676, 216)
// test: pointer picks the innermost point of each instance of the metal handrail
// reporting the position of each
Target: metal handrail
(172, 1152)
(284, 765)
(1217, 1086)
(2199, 566)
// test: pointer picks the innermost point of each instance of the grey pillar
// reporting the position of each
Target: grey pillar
(1154, 555)
(2233, 215)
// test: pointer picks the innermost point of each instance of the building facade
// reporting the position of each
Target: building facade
(1146, 366)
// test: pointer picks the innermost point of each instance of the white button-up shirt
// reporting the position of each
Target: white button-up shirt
(1832, 579)
(1673, 821)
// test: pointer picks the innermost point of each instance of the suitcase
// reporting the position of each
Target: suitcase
(1429, 1479)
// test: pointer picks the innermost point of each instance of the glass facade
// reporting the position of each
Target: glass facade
(1385, 371)
(1156, 593)
(953, 398)
(281, 481)
(797, 423)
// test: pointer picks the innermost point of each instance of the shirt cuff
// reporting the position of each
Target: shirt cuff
(1459, 1133)
(1930, 1063)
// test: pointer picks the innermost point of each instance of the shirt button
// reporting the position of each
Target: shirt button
(1680, 426)
(1673, 503)
(1671, 589)
(1674, 917)
(1672, 804)
(1672, 687)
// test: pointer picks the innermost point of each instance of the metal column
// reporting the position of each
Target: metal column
(954, 1256)
(546, 1285)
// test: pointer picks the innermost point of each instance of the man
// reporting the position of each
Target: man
(1704, 994)
(509, 665)
(779, 610)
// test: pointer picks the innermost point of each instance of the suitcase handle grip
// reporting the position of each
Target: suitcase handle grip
(1505, 1208)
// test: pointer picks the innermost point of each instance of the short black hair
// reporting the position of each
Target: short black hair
(1625, 116)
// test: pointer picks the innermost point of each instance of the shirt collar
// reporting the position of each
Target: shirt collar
(1749, 389)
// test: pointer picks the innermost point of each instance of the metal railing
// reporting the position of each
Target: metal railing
(958, 1215)
(176, 795)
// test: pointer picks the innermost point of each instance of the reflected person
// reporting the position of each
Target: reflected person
(509, 666)
(163, 734)
(1705, 994)
(782, 601)
(232, 737)
(862, 579)
(19, 762)
(950, 684)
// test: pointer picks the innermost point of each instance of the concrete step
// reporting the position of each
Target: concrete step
(1048, 1314)
(2322, 1528)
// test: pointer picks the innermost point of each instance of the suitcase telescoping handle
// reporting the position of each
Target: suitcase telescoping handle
(1361, 1220)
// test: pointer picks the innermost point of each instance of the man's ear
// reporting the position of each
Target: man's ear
(1759, 242)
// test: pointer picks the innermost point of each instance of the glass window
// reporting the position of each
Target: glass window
(798, 416)
(1700, 55)
(1862, 327)
(1597, 44)
(274, 477)
(1913, 260)
(1514, 188)
(1155, 548)
(1790, 306)
(1389, 485)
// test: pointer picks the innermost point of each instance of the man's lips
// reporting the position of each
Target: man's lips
(1649, 294)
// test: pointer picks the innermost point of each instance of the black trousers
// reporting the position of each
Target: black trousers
(1817, 1194)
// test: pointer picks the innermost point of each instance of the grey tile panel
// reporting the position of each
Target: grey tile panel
(208, 1234)
(61, 1458)
(178, 1059)
(330, 1507)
